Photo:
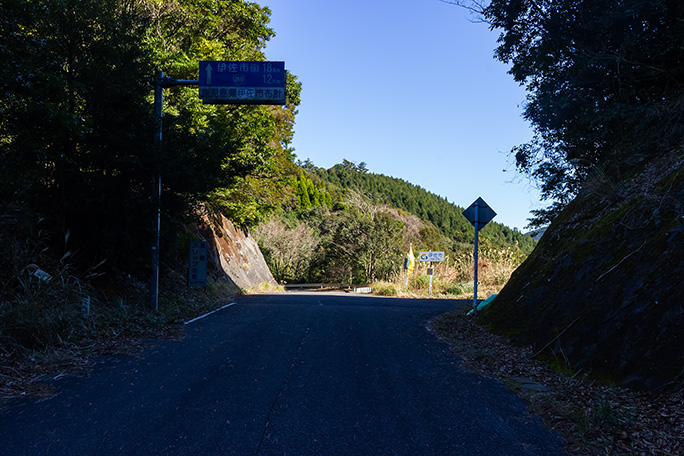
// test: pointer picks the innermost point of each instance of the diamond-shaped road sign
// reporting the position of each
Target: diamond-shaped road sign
(479, 212)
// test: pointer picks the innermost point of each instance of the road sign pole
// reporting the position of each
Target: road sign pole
(477, 228)
(479, 214)
(475, 267)
(156, 191)
(265, 84)
(160, 83)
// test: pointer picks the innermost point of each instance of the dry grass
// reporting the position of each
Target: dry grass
(454, 277)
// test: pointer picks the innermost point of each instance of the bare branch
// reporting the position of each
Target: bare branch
(476, 7)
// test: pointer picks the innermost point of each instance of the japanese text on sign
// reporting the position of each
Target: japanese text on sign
(242, 82)
(431, 256)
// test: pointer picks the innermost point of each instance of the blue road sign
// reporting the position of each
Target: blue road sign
(479, 212)
(242, 82)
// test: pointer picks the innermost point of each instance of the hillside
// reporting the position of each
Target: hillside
(397, 193)
(602, 293)
(347, 225)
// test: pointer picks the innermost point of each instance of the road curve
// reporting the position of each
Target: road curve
(285, 374)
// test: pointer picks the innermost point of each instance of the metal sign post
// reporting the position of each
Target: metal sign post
(432, 257)
(160, 83)
(479, 214)
(430, 273)
(219, 83)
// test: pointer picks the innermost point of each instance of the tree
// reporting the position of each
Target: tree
(232, 150)
(75, 120)
(365, 248)
(604, 82)
(287, 251)
(76, 125)
(366, 191)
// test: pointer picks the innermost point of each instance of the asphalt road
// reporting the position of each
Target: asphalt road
(287, 374)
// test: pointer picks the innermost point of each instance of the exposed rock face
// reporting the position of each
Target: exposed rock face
(603, 292)
(235, 256)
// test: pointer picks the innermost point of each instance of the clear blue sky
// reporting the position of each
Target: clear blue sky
(411, 88)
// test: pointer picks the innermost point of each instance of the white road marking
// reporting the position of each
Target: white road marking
(207, 314)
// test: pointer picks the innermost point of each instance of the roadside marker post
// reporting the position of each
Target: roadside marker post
(479, 214)
(431, 257)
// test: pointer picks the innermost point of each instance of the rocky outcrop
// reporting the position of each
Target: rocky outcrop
(235, 256)
(603, 292)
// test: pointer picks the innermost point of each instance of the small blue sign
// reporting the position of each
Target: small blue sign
(242, 82)
(431, 256)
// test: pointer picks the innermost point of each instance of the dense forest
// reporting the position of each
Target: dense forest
(397, 193)
(77, 126)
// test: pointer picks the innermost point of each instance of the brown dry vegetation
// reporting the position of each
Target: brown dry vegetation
(454, 277)
(593, 419)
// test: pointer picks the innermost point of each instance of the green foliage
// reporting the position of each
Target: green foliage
(75, 122)
(310, 194)
(76, 131)
(603, 86)
(361, 239)
(240, 154)
(364, 248)
(445, 217)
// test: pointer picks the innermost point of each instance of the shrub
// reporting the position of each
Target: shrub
(384, 289)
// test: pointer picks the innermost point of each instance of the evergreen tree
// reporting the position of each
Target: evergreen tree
(75, 128)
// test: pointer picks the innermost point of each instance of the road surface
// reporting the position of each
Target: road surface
(285, 374)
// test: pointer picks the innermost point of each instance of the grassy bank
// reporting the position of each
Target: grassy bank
(56, 317)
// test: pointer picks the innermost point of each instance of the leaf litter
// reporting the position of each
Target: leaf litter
(593, 419)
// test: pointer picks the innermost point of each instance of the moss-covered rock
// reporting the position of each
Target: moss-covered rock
(604, 289)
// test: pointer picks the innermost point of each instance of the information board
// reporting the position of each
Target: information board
(227, 82)
(431, 256)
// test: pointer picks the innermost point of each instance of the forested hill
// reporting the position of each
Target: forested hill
(411, 198)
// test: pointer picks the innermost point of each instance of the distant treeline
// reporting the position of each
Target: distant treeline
(397, 193)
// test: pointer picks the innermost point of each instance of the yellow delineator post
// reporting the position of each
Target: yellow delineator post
(410, 263)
